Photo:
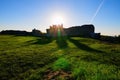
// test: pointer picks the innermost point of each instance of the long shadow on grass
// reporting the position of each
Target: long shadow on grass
(62, 42)
(103, 57)
(39, 41)
(83, 46)
(43, 40)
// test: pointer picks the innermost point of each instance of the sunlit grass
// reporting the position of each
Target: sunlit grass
(28, 58)
(61, 64)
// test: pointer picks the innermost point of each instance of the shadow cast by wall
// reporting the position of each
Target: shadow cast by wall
(83, 46)
(103, 58)
(62, 42)
(44, 40)
(39, 41)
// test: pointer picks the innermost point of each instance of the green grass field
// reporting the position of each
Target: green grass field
(75, 58)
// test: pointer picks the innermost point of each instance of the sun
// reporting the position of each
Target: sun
(57, 19)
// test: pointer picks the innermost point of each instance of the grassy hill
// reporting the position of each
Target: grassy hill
(74, 58)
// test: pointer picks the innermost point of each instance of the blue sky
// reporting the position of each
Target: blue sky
(29, 14)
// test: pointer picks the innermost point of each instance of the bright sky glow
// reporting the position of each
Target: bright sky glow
(40, 14)
(58, 19)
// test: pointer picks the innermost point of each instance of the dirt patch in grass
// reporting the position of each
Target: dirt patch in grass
(57, 75)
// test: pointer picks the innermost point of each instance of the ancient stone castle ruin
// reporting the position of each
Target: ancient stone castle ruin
(55, 30)
(87, 30)
(84, 30)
